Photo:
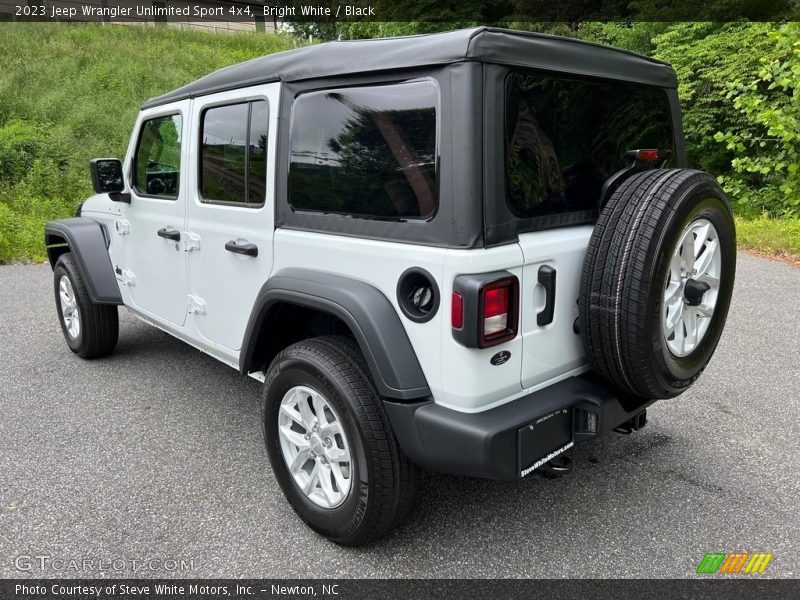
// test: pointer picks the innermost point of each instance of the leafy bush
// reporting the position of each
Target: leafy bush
(20, 144)
(738, 86)
(766, 167)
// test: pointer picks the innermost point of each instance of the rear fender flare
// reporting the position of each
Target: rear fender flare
(365, 310)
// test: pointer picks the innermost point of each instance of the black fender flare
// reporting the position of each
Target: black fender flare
(87, 240)
(363, 308)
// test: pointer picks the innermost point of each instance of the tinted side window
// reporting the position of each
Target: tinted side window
(158, 157)
(565, 137)
(233, 153)
(368, 152)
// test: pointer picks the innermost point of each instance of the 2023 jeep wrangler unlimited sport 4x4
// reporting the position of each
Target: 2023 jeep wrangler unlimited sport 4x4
(464, 252)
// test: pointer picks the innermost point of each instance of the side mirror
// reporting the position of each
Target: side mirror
(107, 176)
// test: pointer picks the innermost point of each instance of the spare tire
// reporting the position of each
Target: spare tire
(657, 281)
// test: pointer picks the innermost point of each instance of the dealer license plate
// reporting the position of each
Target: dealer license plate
(544, 439)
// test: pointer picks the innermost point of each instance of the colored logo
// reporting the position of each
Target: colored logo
(734, 562)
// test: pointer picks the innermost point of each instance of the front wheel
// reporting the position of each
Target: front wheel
(330, 443)
(90, 330)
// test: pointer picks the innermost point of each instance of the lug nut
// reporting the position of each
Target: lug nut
(327, 443)
(324, 460)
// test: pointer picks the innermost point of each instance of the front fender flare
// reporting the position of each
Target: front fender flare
(87, 241)
(363, 308)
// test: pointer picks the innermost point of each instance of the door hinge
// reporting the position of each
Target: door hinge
(192, 241)
(125, 277)
(197, 305)
(122, 226)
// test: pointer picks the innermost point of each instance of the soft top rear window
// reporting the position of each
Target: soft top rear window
(367, 151)
(565, 136)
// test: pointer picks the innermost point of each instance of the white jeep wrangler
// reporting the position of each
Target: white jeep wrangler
(464, 252)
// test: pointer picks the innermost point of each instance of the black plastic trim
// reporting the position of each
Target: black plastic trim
(410, 311)
(485, 444)
(369, 315)
(88, 243)
(124, 197)
(632, 167)
(96, 186)
(547, 278)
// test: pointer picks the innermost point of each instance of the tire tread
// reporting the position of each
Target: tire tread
(99, 322)
(395, 479)
(615, 281)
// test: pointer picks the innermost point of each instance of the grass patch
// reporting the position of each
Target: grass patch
(779, 238)
(69, 93)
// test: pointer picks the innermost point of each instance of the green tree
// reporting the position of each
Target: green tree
(766, 142)
(706, 57)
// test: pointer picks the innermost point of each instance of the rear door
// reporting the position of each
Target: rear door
(231, 209)
(548, 300)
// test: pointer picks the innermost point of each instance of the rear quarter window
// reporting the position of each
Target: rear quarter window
(367, 152)
(564, 137)
(233, 150)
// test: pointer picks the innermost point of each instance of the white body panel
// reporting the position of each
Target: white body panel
(158, 264)
(460, 378)
(553, 349)
(228, 283)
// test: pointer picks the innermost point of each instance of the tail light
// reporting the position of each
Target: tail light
(457, 311)
(498, 309)
(485, 309)
(644, 154)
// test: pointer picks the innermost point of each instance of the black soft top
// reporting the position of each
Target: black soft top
(481, 44)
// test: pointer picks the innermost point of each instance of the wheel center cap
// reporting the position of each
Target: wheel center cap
(693, 291)
(316, 445)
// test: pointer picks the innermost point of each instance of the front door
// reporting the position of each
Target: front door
(231, 209)
(152, 225)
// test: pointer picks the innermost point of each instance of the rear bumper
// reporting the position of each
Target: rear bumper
(488, 444)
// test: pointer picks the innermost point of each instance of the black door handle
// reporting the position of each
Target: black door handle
(168, 233)
(547, 277)
(246, 249)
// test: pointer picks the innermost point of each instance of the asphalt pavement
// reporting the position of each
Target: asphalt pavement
(155, 455)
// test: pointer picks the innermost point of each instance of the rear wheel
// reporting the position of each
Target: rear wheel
(657, 282)
(90, 330)
(330, 443)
